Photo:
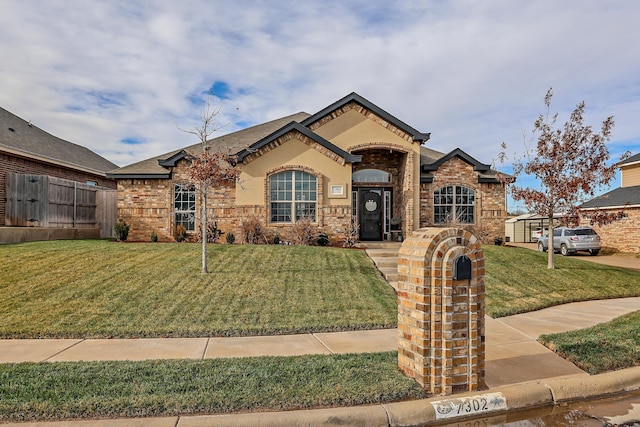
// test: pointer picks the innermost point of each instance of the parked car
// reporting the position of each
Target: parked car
(538, 233)
(571, 240)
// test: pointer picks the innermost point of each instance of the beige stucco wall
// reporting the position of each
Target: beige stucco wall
(295, 154)
(352, 129)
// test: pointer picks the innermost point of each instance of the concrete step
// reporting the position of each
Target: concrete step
(379, 245)
(387, 262)
(382, 252)
(389, 274)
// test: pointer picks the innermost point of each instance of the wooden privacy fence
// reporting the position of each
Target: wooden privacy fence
(46, 201)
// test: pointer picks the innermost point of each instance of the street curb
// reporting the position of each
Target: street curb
(423, 412)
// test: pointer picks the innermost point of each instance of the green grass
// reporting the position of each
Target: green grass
(517, 281)
(103, 289)
(180, 387)
(601, 348)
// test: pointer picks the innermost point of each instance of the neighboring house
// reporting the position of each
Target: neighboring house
(28, 150)
(623, 234)
(350, 159)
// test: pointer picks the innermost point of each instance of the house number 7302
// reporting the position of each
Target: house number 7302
(463, 406)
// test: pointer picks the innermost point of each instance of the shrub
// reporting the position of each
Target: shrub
(352, 234)
(252, 231)
(121, 230)
(231, 238)
(154, 236)
(323, 239)
(276, 239)
(180, 233)
(302, 233)
(213, 233)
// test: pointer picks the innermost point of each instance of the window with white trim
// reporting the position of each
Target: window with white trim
(454, 204)
(293, 196)
(184, 205)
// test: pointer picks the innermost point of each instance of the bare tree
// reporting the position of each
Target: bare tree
(209, 168)
(570, 164)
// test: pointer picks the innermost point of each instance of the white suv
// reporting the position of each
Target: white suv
(571, 240)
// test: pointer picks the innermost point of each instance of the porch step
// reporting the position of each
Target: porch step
(385, 257)
(380, 245)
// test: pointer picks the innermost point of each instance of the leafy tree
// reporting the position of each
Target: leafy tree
(571, 164)
(209, 169)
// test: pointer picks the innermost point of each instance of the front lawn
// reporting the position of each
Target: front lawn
(517, 281)
(46, 391)
(104, 289)
(601, 348)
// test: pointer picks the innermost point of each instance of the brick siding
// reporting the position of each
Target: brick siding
(490, 213)
(147, 205)
(15, 164)
(621, 235)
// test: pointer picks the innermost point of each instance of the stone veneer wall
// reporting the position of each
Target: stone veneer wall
(15, 164)
(490, 213)
(621, 235)
(147, 205)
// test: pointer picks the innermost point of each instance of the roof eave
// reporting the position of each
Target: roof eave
(354, 97)
(52, 161)
(295, 126)
(139, 175)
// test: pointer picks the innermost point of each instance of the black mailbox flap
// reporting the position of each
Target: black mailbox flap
(462, 268)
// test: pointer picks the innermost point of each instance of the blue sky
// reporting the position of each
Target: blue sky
(120, 76)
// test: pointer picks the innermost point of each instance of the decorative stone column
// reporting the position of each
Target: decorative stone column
(441, 310)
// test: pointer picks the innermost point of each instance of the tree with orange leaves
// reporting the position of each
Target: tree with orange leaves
(209, 169)
(571, 164)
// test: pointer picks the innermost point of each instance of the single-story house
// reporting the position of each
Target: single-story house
(29, 154)
(351, 159)
(622, 234)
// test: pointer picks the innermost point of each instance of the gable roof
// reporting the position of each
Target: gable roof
(21, 138)
(618, 198)
(293, 126)
(354, 97)
(160, 166)
(631, 160)
(431, 162)
(477, 166)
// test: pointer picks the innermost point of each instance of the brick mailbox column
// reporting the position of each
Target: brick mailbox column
(441, 310)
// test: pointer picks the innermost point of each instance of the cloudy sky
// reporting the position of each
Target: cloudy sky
(120, 76)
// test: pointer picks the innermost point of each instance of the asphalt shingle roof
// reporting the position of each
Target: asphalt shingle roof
(619, 197)
(233, 143)
(21, 137)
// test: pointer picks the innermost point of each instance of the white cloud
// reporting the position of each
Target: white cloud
(472, 73)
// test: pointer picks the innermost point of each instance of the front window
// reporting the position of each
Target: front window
(184, 205)
(454, 204)
(293, 196)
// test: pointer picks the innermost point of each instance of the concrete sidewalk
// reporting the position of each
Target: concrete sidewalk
(512, 353)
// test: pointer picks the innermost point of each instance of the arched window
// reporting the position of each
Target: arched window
(293, 196)
(371, 175)
(454, 204)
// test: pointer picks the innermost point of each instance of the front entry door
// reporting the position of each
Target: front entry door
(370, 214)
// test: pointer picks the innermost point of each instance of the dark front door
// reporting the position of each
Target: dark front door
(370, 214)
